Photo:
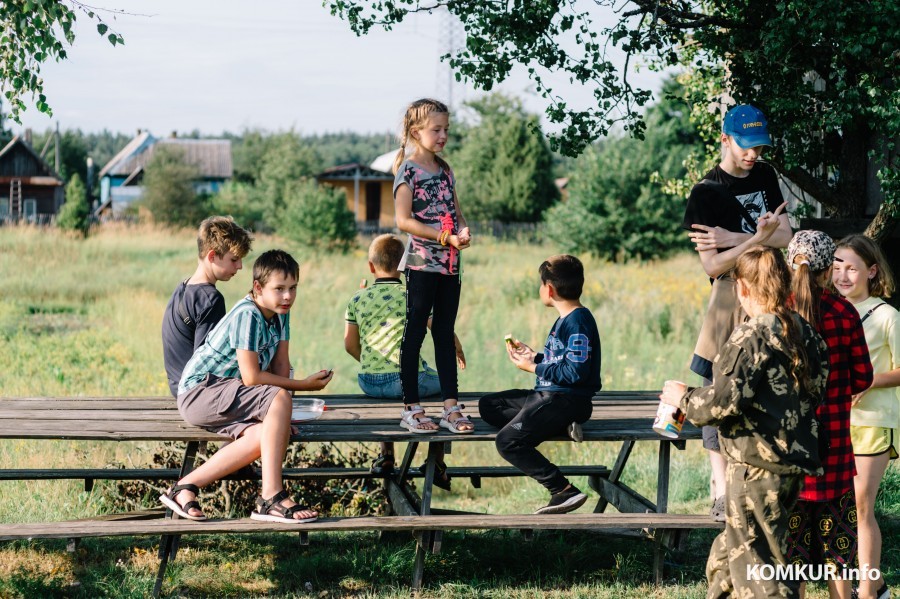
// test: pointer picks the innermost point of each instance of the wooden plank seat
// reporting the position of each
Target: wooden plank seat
(118, 528)
(624, 417)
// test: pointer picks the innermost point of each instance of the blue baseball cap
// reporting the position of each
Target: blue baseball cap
(748, 126)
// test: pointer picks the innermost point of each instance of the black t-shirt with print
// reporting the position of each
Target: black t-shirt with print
(708, 205)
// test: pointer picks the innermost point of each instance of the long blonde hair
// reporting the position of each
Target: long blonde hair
(767, 276)
(416, 117)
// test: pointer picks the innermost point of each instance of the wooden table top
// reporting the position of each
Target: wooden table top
(617, 415)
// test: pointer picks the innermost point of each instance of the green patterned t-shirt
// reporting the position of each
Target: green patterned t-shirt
(380, 313)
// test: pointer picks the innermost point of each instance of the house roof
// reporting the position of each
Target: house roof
(354, 170)
(17, 168)
(385, 162)
(211, 156)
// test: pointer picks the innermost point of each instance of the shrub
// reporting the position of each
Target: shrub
(74, 214)
(317, 217)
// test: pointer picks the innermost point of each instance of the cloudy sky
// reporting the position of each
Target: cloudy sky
(227, 65)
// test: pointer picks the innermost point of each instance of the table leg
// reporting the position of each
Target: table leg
(664, 538)
(168, 544)
(615, 473)
(424, 538)
(662, 481)
(406, 463)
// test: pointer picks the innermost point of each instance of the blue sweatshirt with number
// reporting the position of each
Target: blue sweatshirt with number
(571, 359)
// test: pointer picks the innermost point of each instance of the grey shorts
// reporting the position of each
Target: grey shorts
(711, 438)
(225, 405)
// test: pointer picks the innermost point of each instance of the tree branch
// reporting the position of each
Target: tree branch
(811, 184)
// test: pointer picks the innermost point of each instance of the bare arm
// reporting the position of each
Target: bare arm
(715, 263)
(251, 374)
(705, 237)
(408, 224)
(351, 340)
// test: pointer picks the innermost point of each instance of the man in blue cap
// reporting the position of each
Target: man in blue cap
(732, 208)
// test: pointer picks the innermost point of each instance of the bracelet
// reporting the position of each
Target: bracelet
(444, 236)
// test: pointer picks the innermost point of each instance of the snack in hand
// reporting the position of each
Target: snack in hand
(509, 340)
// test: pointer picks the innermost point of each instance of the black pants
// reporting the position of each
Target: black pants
(436, 295)
(526, 418)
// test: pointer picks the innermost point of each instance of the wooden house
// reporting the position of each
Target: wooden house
(369, 190)
(121, 177)
(29, 188)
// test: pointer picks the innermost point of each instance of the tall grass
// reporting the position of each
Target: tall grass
(82, 317)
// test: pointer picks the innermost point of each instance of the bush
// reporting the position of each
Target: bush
(169, 188)
(243, 202)
(74, 214)
(317, 217)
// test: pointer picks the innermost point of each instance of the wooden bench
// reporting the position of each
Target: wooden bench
(622, 417)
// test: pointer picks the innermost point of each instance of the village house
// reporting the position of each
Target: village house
(369, 190)
(121, 177)
(31, 190)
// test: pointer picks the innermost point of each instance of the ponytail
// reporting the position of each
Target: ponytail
(766, 274)
(806, 291)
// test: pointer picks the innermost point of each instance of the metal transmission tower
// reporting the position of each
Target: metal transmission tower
(451, 38)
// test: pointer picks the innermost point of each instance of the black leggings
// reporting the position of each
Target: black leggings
(436, 295)
(526, 418)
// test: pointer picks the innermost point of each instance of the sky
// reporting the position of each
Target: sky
(229, 65)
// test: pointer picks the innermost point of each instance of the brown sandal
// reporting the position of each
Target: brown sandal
(273, 510)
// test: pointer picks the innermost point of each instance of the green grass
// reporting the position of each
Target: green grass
(82, 317)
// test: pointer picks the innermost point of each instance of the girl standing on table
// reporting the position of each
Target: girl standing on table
(823, 524)
(428, 209)
(768, 378)
(861, 274)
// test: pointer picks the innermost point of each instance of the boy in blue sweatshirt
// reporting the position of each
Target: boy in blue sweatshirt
(568, 375)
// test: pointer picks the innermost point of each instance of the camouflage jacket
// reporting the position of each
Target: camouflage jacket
(764, 417)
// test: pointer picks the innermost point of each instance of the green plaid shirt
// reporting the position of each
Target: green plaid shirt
(380, 313)
(242, 328)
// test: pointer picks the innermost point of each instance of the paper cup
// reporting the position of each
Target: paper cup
(669, 421)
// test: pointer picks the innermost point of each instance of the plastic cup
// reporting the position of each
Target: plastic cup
(669, 419)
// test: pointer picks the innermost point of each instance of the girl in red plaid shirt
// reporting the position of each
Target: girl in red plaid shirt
(823, 525)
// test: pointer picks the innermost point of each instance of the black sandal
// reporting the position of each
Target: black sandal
(441, 478)
(169, 500)
(273, 510)
(383, 465)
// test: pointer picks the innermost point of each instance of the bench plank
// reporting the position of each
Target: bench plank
(114, 528)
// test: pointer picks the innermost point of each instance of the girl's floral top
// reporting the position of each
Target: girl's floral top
(432, 200)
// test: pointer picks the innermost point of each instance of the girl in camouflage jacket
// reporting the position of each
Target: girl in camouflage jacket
(768, 379)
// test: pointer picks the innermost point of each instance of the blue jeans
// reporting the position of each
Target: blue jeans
(387, 386)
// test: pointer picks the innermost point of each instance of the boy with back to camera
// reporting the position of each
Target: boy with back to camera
(375, 318)
(196, 306)
(568, 375)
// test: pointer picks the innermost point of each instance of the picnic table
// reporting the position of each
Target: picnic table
(623, 417)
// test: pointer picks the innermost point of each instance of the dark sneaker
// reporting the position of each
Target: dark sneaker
(564, 502)
(575, 433)
(718, 509)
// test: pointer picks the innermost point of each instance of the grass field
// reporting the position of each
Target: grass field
(82, 317)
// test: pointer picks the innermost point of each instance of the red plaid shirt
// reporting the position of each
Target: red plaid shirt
(850, 372)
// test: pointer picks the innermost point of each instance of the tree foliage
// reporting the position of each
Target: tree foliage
(31, 33)
(504, 165)
(617, 206)
(169, 188)
(823, 71)
(317, 217)
(75, 213)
